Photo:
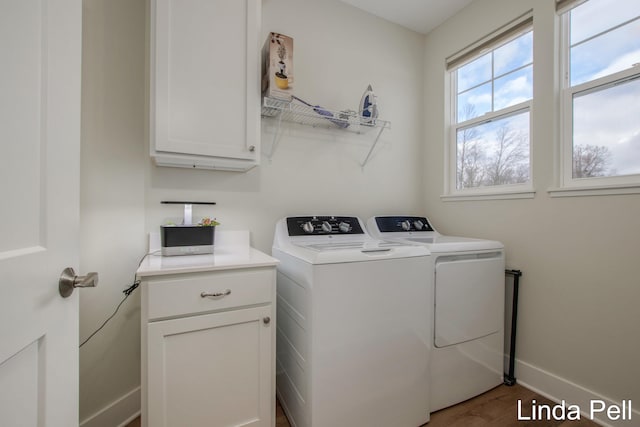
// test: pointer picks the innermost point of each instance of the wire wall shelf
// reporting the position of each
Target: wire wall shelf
(316, 116)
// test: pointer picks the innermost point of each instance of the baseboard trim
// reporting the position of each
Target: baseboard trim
(125, 409)
(119, 413)
(557, 389)
(131, 418)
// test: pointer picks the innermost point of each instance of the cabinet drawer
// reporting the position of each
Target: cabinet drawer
(176, 296)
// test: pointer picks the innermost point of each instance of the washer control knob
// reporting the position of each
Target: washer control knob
(308, 227)
(326, 227)
(406, 225)
(344, 227)
(418, 224)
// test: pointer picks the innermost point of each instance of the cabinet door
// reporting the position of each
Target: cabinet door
(211, 370)
(205, 90)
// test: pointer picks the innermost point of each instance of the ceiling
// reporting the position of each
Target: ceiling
(419, 15)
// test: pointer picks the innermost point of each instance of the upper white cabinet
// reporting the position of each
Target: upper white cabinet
(205, 86)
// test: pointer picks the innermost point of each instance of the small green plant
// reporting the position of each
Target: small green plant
(208, 222)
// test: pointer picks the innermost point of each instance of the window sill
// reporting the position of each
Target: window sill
(504, 195)
(594, 190)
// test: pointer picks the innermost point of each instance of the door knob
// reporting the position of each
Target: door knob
(68, 281)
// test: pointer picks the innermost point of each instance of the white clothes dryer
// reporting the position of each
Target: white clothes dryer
(467, 281)
(352, 340)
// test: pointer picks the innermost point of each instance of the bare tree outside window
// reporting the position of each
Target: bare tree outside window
(470, 157)
(504, 166)
(494, 153)
(591, 160)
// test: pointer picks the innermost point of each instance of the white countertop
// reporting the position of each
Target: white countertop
(231, 251)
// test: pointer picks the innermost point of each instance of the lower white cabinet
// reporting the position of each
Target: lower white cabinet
(211, 370)
(208, 348)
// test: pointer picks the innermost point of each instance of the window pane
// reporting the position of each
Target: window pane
(596, 16)
(480, 92)
(514, 54)
(513, 88)
(474, 73)
(474, 103)
(606, 131)
(493, 153)
(609, 53)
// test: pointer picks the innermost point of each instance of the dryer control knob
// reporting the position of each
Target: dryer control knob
(307, 227)
(418, 224)
(326, 227)
(406, 225)
(344, 227)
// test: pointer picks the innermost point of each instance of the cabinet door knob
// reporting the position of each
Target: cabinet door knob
(216, 294)
(266, 320)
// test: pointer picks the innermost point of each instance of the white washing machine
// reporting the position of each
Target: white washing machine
(353, 328)
(467, 278)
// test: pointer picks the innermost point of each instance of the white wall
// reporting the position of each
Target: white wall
(579, 296)
(578, 316)
(113, 159)
(338, 51)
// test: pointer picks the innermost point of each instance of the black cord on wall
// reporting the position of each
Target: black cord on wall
(127, 292)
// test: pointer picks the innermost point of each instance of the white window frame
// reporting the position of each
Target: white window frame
(568, 185)
(507, 191)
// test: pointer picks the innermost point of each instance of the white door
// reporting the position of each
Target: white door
(469, 299)
(40, 47)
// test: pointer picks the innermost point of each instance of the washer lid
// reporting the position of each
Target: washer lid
(320, 240)
(373, 246)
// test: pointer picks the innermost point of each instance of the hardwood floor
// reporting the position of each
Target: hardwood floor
(498, 408)
(281, 418)
(495, 408)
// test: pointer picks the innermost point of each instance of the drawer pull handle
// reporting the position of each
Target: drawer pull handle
(266, 320)
(216, 294)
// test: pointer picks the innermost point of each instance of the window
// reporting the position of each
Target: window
(601, 93)
(491, 92)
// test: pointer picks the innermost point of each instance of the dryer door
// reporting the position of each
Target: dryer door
(469, 297)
